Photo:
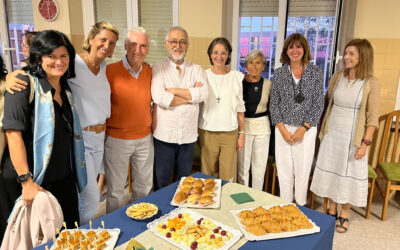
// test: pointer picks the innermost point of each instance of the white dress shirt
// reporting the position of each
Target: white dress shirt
(129, 69)
(225, 100)
(177, 124)
(91, 93)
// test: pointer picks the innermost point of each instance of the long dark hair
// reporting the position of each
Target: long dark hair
(45, 43)
(3, 70)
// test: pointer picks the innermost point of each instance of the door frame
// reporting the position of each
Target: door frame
(5, 40)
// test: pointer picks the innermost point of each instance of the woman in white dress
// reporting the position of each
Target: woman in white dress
(341, 172)
(221, 121)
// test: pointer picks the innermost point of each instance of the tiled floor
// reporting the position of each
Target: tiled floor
(372, 234)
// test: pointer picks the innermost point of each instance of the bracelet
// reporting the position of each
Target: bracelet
(366, 142)
(305, 126)
(241, 132)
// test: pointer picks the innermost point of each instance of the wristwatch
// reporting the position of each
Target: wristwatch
(22, 178)
(366, 142)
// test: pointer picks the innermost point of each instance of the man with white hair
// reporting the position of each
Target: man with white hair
(129, 139)
(177, 88)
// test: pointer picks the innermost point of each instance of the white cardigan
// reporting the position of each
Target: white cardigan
(32, 226)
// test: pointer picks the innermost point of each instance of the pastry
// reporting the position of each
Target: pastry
(256, 229)
(259, 210)
(189, 179)
(180, 197)
(209, 180)
(208, 192)
(196, 190)
(193, 198)
(206, 200)
(248, 221)
(186, 185)
(186, 190)
(246, 214)
(198, 183)
(210, 185)
(271, 227)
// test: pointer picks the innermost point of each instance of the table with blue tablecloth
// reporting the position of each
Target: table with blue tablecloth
(132, 228)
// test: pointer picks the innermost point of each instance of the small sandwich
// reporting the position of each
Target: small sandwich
(186, 190)
(180, 197)
(198, 183)
(186, 185)
(78, 235)
(209, 180)
(193, 198)
(196, 190)
(91, 235)
(206, 201)
(189, 179)
(210, 185)
(208, 192)
(100, 244)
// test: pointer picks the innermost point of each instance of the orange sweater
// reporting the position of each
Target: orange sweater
(130, 102)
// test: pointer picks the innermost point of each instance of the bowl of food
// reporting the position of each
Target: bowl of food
(142, 211)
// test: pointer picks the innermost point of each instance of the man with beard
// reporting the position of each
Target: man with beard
(129, 139)
(177, 88)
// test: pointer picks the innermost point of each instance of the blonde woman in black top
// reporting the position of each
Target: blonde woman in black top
(256, 123)
(297, 101)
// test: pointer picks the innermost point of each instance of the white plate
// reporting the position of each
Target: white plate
(236, 234)
(110, 243)
(216, 198)
(270, 236)
(144, 218)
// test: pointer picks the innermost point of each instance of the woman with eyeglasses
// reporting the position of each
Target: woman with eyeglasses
(297, 102)
(42, 126)
(91, 92)
(221, 121)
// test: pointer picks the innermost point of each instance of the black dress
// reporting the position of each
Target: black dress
(59, 177)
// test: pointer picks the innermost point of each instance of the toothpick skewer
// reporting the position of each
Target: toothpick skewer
(90, 224)
(76, 224)
(102, 223)
(65, 225)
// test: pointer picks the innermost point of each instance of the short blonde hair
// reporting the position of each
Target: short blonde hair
(96, 29)
(253, 55)
(289, 41)
(364, 68)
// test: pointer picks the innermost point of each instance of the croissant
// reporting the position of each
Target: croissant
(256, 229)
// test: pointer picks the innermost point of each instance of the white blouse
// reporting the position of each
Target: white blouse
(225, 100)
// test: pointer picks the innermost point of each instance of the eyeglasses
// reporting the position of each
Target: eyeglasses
(181, 42)
(216, 53)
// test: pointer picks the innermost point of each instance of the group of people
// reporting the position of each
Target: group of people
(70, 120)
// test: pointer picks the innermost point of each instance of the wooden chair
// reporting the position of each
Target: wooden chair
(371, 186)
(389, 168)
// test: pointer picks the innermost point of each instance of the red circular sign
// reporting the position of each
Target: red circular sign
(48, 9)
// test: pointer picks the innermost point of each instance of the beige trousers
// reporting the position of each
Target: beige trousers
(218, 154)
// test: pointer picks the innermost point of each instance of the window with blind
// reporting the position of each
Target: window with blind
(20, 19)
(115, 14)
(258, 27)
(156, 17)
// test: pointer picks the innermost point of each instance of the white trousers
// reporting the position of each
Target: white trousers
(89, 198)
(254, 154)
(117, 156)
(293, 163)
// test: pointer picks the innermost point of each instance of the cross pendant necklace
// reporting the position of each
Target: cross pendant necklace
(220, 85)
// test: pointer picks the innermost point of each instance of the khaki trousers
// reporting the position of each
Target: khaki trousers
(218, 154)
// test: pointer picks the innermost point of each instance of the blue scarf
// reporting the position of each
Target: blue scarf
(43, 136)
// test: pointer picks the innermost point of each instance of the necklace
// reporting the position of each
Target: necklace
(351, 84)
(219, 86)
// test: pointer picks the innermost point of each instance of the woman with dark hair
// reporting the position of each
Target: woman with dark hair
(341, 171)
(43, 132)
(221, 122)
(27, 39)
(91, 92)
(297, 102)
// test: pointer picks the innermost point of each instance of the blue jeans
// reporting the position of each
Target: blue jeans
(170, 157)
(89, 198)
